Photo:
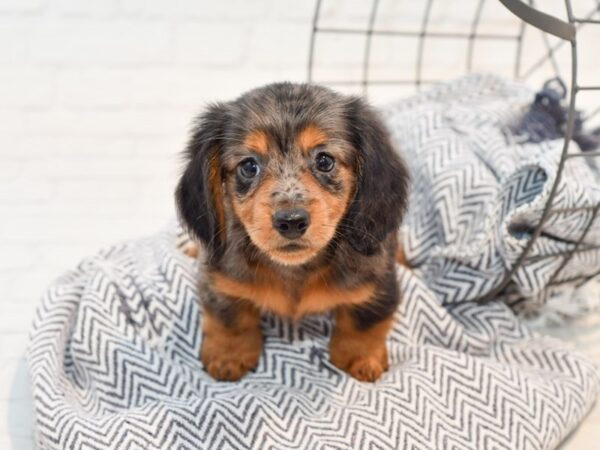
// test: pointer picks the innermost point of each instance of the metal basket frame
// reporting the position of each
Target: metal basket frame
(566, 31)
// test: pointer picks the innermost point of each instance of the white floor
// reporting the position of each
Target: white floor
(585, 335)
(15, 403)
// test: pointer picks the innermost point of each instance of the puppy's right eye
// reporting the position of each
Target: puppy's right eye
(249, 168)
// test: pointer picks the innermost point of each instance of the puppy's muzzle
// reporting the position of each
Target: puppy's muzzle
(291, 223)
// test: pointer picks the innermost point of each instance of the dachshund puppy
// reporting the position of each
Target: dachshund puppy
(296, 194)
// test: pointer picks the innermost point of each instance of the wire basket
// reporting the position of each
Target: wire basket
(558, 35)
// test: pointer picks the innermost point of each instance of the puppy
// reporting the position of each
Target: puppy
(296, 194)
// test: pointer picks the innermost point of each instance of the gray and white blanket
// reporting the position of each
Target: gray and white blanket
(115, 343)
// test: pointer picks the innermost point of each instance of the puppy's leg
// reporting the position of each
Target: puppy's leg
(232, 340)
(359, 351)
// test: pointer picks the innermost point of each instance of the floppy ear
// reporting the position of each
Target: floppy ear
(381, 192)
(199, 194)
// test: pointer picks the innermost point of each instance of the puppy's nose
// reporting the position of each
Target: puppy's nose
(291, 223)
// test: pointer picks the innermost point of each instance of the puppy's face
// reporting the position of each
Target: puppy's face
(295, 165)
(290, 187)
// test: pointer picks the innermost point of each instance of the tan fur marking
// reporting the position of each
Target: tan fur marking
(269, 292)
(311, 137)
(255, 213)
(327, 209)
(229, 352)
(191, 249)
(401, 257)
(265, 294)
(217, 191)
(258, 141)
(292, 258)
(319, 297)
(361, 353)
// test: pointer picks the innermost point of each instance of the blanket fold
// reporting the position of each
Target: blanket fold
(485, 184)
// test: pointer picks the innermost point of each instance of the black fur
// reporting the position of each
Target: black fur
(381, 193)
(382, 305)
(194, 198)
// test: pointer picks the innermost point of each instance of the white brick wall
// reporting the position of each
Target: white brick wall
(96, 97)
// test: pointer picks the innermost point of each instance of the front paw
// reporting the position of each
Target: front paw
(229, 352)
(227, 355)
(366, 365)
(230, 366)
(363, 368)
(367, 368)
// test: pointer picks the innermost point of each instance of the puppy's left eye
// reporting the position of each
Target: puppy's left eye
(324, 162)
(249, 168)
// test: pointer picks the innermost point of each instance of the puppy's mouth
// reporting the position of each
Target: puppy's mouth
(292, 253)
(292, 247)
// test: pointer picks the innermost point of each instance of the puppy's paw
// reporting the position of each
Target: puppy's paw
(363, 367)
(229, 360)
(367, 368)
(228, 367)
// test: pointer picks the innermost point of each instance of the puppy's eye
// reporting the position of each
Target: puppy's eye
(324, 162)
(249, 168)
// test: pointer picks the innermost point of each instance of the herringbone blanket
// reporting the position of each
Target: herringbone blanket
(115, 343)
(482, 175)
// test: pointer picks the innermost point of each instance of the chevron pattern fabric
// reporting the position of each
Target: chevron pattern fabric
(115, 343)
(479, 188)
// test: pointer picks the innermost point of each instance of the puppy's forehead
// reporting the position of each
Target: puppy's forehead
(287, 114)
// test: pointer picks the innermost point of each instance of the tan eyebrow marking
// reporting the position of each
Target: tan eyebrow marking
(311, 137)
(258, 141)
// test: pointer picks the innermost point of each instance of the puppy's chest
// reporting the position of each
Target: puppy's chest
(317, 293)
